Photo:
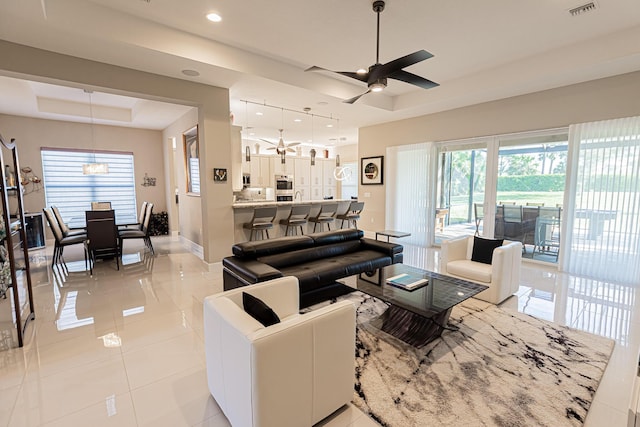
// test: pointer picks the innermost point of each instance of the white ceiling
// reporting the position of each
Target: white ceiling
(482, 51)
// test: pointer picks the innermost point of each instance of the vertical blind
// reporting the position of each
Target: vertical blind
(602, 219)
(410, 180)
(72, 192)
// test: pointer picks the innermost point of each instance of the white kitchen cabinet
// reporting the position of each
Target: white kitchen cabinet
(278, 168)
(302, 172)
(236, 158)
(305, 193)
(316, 192)
(328, 166)
(316, 173)
(261, 175)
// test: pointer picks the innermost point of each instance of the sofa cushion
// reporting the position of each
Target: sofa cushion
(336, 236)
(483, 249)
(471, 270)
(260, 311)
(255, 249)
(317, 273)
(307, 255)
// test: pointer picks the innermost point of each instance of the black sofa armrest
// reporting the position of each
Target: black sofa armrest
(250, 271)
(390, 249)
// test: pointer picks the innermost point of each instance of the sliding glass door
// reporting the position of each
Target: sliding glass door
(460, 193)
(531, 172)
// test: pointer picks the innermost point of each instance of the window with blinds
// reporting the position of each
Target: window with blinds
(72, 192)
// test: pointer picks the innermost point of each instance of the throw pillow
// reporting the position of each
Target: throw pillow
(260, 311)
(483, 249)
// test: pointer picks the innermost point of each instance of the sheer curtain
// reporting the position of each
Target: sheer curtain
(601, 219)
(409, 197)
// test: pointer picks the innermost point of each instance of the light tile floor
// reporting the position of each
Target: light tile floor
(125, 348)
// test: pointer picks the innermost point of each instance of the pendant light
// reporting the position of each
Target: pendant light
(312, 152)
(247, 150)
(94, 168)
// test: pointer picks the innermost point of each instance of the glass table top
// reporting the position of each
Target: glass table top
(440, 294)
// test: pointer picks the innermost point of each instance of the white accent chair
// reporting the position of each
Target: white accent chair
(294, 373)
(502, 275)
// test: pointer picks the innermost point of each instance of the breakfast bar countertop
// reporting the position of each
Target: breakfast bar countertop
(257, 203)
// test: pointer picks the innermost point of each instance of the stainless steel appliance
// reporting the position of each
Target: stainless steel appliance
(284, 188)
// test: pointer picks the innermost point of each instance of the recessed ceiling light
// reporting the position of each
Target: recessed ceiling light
(259, 113)
(323, 103)
(190, 73)
(297, 120)
(214, 17)
(329, 125)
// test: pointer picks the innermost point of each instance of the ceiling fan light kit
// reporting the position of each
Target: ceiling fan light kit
(377, 74)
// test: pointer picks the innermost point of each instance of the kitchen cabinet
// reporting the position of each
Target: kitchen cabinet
(329, 181)
(236, 158)
(305, 193)
(279, 168)
(261, 175)
(316, 192)
(302, 172)
(316, 173)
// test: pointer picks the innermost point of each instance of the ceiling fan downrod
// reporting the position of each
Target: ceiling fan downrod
(378, 6)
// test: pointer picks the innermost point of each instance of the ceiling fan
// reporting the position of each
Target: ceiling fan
(281, 147)
(377, 75)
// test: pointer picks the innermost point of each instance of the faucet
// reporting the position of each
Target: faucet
(295, 196)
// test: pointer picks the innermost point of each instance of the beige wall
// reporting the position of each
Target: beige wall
(601, 99)
(213, 119)
(33, 134)
(189, 208)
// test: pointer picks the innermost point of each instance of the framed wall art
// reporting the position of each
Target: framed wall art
(219, 175)
(192, 160)
(371, 170)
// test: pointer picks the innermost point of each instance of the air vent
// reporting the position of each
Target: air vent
(588, 7)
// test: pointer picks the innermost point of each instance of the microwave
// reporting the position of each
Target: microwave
(284, 182)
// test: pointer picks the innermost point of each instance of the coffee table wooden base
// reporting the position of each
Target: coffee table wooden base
(414, 329)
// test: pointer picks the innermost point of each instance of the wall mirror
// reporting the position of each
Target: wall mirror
(192, 160)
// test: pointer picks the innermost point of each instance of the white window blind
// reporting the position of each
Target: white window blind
(72, 192)
(409, 183)
(602, 223)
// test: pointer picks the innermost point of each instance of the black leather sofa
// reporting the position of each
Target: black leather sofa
(317, 260)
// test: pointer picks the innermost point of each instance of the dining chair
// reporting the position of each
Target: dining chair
(478, 211)
(138, 225)
(60, 240)
(142, 233)
(547, 231)
(513, 224)
(66, 231)
(102, 237)
(100, 206)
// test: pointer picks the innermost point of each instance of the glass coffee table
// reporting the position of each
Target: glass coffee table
(416, 317)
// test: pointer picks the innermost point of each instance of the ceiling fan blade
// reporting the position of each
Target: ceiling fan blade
(272, 148)
(400, 63)
(355, 98)
(405, 76)
(265, 140)
(361, 77)
(293, 144)
(291, 150)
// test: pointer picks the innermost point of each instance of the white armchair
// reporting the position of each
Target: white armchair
(502, 275)
(293, 373)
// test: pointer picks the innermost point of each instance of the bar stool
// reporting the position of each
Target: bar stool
(325, 216)
(262, 221)
(352, 214)
(297, 218)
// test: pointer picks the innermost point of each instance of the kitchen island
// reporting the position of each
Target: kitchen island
(243, 212)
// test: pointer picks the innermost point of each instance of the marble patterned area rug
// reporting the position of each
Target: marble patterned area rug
(500, 368)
